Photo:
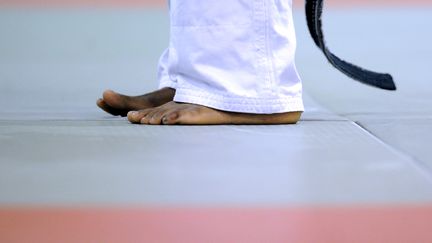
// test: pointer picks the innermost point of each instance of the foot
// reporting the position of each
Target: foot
(119, 105)
(173, 113)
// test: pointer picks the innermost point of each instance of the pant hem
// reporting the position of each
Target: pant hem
(265, 105)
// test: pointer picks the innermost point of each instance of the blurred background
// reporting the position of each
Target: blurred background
(83, 47)
(357, 168)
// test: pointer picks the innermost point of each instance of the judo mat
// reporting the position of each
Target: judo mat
(357, 167)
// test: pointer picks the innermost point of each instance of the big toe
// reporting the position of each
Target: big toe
(109, 94)
(103, 105)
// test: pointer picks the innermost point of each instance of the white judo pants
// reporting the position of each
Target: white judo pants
(233, 55)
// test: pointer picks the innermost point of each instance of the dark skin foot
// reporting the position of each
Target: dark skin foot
(173, 113)
(119, 105)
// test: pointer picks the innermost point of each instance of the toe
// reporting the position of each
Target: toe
(171, 118)
(145, 119)
(155, 118)
(136, 116)
(115, 100)
(104, 106)
(148, 118)
(107, 94)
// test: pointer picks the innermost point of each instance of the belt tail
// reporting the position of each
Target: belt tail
(313, 15)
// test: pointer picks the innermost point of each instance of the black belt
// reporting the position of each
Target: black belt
(379, 80)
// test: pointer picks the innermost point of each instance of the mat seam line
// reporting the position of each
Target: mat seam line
(421, 166)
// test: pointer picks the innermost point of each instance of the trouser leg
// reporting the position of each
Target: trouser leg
(234, 55)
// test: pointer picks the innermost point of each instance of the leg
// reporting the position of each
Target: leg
(234, 63)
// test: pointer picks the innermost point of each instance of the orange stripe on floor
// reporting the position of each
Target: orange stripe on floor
(315, 225)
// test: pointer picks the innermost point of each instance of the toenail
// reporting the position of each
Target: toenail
(132, 113)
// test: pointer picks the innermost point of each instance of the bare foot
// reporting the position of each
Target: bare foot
(119, 105)
(173, 113)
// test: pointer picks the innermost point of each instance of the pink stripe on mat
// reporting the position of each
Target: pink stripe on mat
(315, 225)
